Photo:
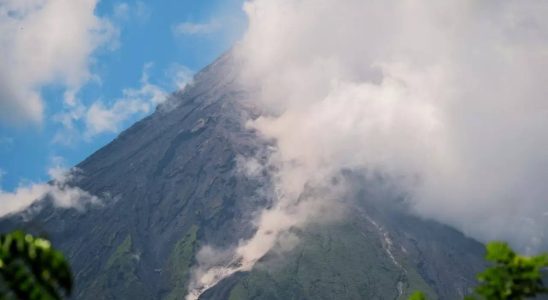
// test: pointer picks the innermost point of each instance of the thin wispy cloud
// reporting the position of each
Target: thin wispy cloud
(191, 28)
(180, 75)
(124, 11)
(99, 117)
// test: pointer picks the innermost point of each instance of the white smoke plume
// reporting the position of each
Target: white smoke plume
(295, 206)
(448, 96)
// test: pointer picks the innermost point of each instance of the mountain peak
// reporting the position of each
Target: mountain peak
(176, 187)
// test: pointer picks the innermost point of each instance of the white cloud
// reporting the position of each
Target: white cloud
(398, 88)
(59, 191)
(448, 97)
(21, 198)
(44, 42)
(101, 118)
(180, 75)
(87, 121)
(190, 28)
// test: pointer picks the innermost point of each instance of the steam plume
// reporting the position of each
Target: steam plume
(448, 96)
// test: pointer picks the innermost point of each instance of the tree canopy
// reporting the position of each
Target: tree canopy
(510, 277)
(31, 269)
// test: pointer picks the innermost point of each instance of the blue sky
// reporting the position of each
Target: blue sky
(134, 53)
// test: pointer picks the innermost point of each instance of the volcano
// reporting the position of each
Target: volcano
(170, 184)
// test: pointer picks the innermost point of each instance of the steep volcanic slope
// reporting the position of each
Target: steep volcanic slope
(170, 184)
(378, 252)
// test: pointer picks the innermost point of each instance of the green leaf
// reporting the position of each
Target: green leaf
(31, 269)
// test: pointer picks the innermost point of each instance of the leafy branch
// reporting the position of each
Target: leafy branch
(511, 277)
(31, 269)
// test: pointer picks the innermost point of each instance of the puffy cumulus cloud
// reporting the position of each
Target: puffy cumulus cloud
(58, 190)
(447, 97)
(44, 42)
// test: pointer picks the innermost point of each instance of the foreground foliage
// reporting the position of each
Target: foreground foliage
(31, 269)
(511, 277)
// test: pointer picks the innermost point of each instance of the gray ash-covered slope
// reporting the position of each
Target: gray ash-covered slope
(170, 185)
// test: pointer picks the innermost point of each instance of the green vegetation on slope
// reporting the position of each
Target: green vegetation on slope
(180, 262)
(332, 262)
(119, 277)
(121, 255)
